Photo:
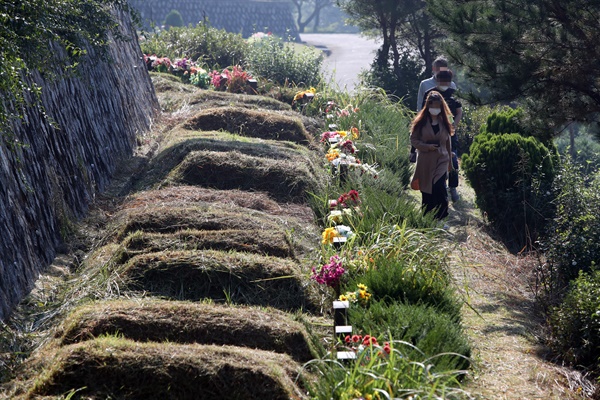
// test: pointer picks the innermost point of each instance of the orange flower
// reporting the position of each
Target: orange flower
(332, 154)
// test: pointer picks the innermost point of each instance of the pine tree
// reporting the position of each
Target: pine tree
(543, 52)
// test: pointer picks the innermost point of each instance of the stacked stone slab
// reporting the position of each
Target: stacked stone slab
(49, 173)
(238, 16)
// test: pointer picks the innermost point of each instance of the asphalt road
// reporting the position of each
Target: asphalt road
(348, 55)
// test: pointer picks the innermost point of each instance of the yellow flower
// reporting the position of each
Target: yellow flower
(343, 297)
(362, 287)
(362, 294)
(354, 131)
(342, 133)
(301, 94)
(332, 154)
(328, 235)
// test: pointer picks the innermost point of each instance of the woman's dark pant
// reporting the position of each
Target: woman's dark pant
(438, 199)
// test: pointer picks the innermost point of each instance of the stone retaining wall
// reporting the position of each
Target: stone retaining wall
(238, 16)
(49, 174)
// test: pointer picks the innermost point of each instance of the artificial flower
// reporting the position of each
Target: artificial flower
(329, 274)
(329, 234)
(332, 154)
(335, 216)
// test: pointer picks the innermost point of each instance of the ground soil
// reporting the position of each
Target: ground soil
(501, 316)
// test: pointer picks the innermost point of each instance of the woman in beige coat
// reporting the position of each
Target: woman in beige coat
(430, 135)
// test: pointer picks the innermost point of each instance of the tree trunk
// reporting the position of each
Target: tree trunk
(573, 151)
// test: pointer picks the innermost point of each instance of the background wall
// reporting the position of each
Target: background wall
(50, 173)
(238, 16)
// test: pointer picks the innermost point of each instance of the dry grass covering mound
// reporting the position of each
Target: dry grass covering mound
(168, 219)
(121, 369)
(240, 278)
(180, 143)
(213, 99)
(186, 195)
(284, 181)
(252, 123)
(268, 243)
(183, 322)
(175, 94)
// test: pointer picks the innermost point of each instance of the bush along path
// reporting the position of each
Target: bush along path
(210, 267)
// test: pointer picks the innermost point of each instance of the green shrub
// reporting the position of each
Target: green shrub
(203, 44)
(473, 121)
(511, 176)
(573, 239)
(430, 331)
(274, 59)
(576, 322)
(174, 19)
(506, 120)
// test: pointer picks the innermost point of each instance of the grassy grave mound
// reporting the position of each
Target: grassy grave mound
(183, 322)
(179, 143)
(199, 216)
(238, 278)
(253, 123)
(176, 94)
(121, 369)
(214, 99)
(186, 195)
(268, 243)
(284, 181)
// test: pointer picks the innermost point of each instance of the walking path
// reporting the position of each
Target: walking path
(348, 55)
(501, 318)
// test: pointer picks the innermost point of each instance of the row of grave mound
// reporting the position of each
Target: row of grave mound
(198, 286)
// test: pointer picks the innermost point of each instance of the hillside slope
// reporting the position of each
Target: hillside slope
(167, 234)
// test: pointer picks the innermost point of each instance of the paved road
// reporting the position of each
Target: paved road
(349, 54)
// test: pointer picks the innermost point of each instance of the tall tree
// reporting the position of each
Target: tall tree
(405, 27)
(382, 16)
(313, 7)
(408, 42)
(544, 52)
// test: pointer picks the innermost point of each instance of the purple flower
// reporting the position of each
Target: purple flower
(329, 274)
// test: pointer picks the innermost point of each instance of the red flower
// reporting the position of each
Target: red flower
(347, 339)
(369, 340)
(356, 338)
(387, 348)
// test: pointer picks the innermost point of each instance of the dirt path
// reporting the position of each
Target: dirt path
(502, 321)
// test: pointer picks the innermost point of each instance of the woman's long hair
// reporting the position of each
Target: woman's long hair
(423, 116)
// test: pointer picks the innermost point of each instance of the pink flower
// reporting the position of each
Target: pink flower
(329, 274)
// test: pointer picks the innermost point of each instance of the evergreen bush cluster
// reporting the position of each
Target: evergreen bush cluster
(268, 58)
(572, 242)
(203, 44)
(575, 324)
(274, 59)
(511, 175)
